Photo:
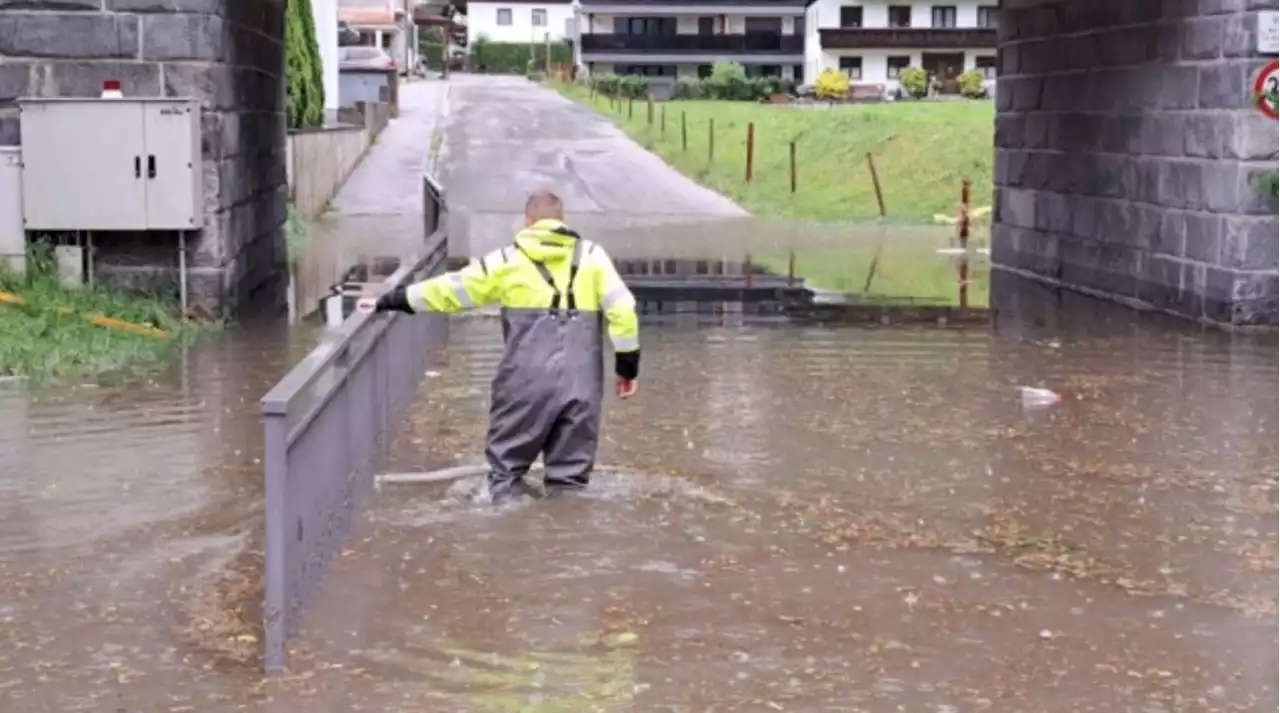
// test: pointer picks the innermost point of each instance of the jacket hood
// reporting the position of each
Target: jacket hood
(547, 241)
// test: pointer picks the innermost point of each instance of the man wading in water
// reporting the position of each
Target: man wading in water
(556, 290)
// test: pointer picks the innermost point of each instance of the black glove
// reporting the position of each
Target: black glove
(627, 364)
(394, 301)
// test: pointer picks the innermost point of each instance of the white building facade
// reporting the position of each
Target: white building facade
(872, 41)
(325, 15)
(387, 24)
(684, 39)
(520, 21)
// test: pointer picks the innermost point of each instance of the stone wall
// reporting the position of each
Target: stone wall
(226, 53)
(1127, 152)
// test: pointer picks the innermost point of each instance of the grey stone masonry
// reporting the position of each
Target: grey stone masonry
(229, 54)
(1130, 152)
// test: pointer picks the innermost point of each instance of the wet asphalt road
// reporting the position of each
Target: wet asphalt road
(507, 137)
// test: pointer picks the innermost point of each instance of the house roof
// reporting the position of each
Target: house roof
(366, 16)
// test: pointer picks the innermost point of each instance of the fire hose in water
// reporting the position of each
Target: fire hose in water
(98, 320)
(443, 475)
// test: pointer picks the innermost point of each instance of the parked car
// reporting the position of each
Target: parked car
(347, 35)
(364, 58)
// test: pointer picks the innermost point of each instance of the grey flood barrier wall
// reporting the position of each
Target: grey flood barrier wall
(327, 423)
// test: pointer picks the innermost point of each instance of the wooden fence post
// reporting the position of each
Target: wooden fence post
(963, 226)
(649, 108)
(751, 148)
(711, 140)
(631, 107)
(875, 259)
(684, 130)
(662, 120)
(793, 166)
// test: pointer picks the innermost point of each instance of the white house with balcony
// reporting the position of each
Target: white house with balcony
(874, 40)
(520, 21)
(671, 38)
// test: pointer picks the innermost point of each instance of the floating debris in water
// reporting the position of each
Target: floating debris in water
(1033, 397)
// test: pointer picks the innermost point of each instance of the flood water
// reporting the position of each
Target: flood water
(788, 517)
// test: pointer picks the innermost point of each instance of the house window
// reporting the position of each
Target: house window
(987, 16)
(764, 70)
(648, 26)
(539, 17)
(762, 25)
(896, 65)
(899, 16)
(504, 16)
(852, 67)
(944, 15)
(986, 66)
(851, 16)
(706, 25)
(647, 70)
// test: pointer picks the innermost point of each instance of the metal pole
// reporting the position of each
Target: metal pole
(182, 271)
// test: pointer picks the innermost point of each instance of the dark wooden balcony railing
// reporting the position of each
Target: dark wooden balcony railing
(847, 38)
(694, 44)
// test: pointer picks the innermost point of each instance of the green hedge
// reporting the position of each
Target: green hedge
(728, 81)
(304, 72)
(749, 89)
(431, 47)
(514, 57)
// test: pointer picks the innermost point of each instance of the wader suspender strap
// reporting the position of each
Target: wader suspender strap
(573, 276)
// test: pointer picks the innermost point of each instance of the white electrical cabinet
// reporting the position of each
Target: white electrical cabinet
(111, 164)
(13, 238)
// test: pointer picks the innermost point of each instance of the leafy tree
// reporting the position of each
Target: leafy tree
(304, 72)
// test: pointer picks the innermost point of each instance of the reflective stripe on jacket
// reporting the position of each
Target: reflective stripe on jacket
(510, 276)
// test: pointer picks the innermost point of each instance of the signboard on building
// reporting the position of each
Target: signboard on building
(1266, 90)
(1269, 32)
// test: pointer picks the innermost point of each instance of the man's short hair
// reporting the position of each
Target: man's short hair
(544, 205)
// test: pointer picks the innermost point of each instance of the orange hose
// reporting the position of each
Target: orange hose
(100, 320)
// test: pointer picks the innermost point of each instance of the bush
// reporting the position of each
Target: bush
(687, 88)
(768, 86)
(971, 85)
(514, 57)
(832, 84)
(915, 81)
(728, 80)
(729, 85)
(606, 84)
(431, 47)
(634, 86)
(304, 73)
(630, 86)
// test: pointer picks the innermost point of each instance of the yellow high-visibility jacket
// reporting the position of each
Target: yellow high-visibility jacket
(514, 277)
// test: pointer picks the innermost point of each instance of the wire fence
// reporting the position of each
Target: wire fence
(944, 261)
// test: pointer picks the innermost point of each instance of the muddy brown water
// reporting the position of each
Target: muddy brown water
(788, 518)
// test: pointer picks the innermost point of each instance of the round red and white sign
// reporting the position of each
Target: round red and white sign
(1265, 89)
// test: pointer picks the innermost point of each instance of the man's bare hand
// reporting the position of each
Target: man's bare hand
(627, 387)
(365, 305)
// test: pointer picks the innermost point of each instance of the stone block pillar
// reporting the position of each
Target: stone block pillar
(1130, 153)
(229, 54)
